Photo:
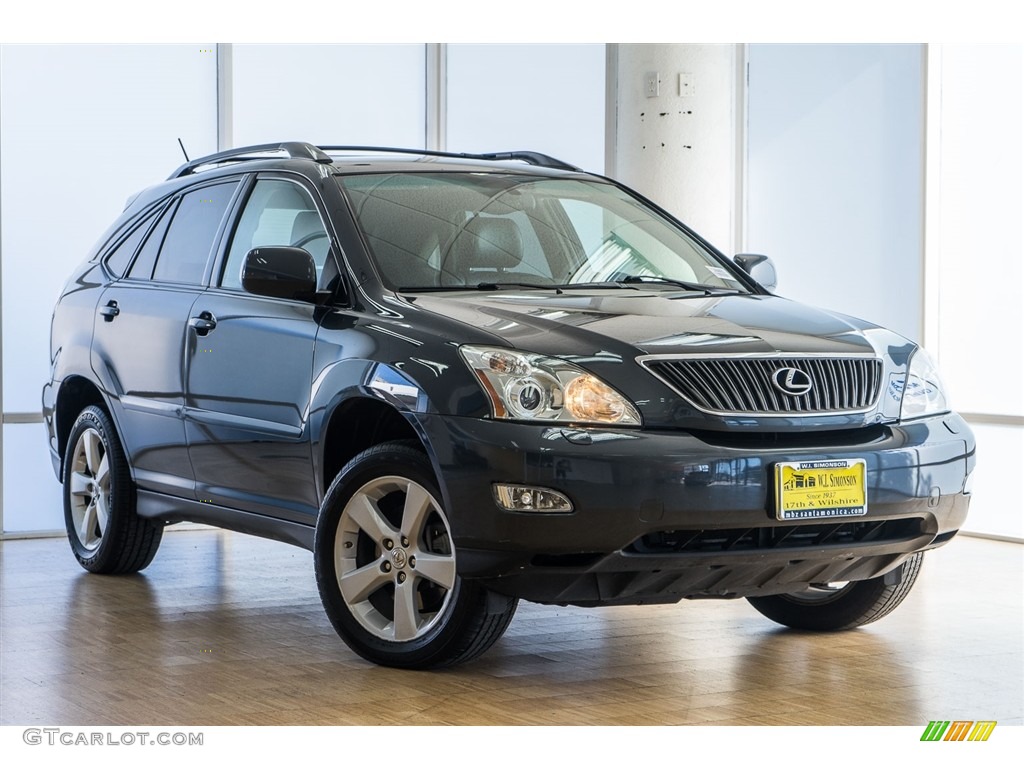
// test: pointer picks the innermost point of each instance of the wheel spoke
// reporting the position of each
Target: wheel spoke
(439, 569)
(92, 446)
(363, 511)
(406, 611)
(358, 585)
(86, 532)
(103, 473)
(417, 509)
(102, 513)
(80, 484)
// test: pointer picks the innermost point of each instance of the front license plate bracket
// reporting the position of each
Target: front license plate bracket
(827, 488)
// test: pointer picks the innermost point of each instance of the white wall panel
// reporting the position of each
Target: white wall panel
(31, 494)
(81, 128)
(998, 496)
(835, 176)
(977, 252)
(329, 94)
(546, 98)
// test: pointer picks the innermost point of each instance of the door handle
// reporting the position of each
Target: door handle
(110, 311)
(203, 324)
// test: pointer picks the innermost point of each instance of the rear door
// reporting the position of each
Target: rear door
(141, 332)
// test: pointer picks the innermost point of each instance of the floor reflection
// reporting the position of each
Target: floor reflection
(228, 629)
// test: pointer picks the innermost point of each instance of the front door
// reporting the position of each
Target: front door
(250, 367)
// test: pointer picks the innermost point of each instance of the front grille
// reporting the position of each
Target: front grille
(744, 385)
(776, 537)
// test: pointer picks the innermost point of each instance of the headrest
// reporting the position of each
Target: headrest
(489, 243)
(306, 223)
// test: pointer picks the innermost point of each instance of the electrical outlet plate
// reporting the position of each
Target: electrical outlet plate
(652, 84)
(686, 87)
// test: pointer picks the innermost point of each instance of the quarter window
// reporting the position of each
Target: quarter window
(142, 269)
(118, 259)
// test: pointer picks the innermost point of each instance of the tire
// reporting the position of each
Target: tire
(829, 608)
(106, 535)
(383, 551)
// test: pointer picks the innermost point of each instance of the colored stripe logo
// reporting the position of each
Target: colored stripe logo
(958, 730)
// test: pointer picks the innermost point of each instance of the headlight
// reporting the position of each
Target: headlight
(536, 388)
(922, 390)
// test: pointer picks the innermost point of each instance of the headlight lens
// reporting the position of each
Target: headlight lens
(536, 388)
(922, 390)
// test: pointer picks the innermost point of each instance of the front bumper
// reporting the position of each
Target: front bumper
(661, 516)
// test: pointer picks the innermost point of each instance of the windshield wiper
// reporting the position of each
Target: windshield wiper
(707, 290)
(479, 287)
(600, 284)
(629, 280)
(498, 286)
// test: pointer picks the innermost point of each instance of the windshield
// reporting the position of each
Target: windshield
(438, 230)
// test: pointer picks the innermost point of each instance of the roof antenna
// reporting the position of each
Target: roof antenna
(183, 150)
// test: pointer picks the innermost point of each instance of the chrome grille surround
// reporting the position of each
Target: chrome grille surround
(741, 385)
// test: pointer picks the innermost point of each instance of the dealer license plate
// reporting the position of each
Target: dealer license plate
(813, 489)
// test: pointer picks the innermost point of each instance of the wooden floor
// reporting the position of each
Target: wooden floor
(224, 629)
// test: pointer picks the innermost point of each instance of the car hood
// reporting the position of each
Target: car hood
(606, 331)
(655, 322)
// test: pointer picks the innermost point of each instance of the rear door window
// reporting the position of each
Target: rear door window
(192, 234)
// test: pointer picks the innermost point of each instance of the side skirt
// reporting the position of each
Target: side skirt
(174, 510)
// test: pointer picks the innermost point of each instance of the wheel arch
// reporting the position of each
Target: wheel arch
(75, 394)
(362, 421)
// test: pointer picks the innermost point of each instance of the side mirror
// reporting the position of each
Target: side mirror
(280, 272)
(759, 267)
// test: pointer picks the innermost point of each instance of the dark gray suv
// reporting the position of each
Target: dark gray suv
(465, 380)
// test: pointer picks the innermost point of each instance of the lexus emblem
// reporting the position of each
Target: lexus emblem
(791, 381)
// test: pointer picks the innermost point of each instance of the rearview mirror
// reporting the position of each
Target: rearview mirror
(281, 272)
(759, 267)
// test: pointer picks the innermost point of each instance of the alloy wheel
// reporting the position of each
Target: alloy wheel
(394, 558)
(90, 489)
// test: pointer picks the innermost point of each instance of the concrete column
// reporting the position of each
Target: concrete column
(679, 140)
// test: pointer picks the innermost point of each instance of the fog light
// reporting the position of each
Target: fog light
(523, 498)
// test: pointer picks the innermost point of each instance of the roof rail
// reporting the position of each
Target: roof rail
(294, 149)
(533, 158)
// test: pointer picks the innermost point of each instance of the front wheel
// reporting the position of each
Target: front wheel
(386, 567)
(831, 607)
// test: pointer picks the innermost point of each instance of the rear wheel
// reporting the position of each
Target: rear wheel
(837, 606)
(105, 533)
(386, 567)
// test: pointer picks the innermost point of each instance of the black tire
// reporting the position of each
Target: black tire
(387, 495)
(828, 609)
(99, 500)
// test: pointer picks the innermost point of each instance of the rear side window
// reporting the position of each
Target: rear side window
(191, 234)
